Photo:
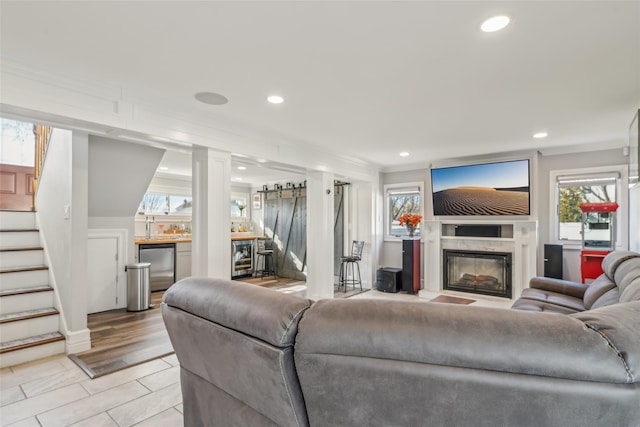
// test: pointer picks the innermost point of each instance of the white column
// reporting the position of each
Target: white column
(320, 235)
(211, 217)
(78, 335)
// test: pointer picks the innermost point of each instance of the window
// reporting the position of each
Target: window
(165, 204)
(154, 204)
(239, 205)
(574, 190)
(573, 187)
(401, 199)
(179, 205)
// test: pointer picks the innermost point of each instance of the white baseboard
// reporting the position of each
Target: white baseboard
(78, 341)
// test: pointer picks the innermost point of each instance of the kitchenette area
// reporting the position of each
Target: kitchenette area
(163, 239)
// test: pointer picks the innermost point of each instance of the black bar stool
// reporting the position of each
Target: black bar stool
(265, 254)
(347, 263)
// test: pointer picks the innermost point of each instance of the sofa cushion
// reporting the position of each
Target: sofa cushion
(609, 298)
(627, 272)
(540, 306)
(555, 298)
(596, 289)
(631, 292)
(560, 286)
(336, 331)
(611, 262)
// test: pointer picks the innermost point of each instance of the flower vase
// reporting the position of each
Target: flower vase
(411, 229)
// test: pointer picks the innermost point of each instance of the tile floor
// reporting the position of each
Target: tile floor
(55, 392)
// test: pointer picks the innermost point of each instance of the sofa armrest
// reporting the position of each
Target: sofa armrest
(565, 287)
(250, 309)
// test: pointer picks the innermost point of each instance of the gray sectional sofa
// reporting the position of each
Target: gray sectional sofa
(620, 282)
(254, 357)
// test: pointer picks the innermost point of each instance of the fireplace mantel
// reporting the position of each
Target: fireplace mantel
(517, 237)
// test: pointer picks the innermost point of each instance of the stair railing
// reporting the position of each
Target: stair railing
(42, 136)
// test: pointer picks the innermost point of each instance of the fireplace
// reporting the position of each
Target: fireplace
(487, 273)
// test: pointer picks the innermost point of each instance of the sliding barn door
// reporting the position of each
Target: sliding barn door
(285, 221)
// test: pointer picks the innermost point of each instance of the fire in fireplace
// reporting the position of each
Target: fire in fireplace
(487, 273)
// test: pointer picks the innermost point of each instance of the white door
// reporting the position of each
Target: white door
(103, 274)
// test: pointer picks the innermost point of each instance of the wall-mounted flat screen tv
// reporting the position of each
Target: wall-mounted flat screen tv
(500, 188)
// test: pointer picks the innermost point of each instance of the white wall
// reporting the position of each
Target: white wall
(61, 203)
(119, 175)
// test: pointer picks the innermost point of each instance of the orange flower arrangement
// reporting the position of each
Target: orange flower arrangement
(410, 219)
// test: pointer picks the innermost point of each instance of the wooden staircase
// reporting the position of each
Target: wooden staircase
(29, 323)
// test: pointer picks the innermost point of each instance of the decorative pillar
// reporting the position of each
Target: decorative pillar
(320, 235)
(211, 214)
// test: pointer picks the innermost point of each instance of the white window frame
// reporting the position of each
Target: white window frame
(622, 198)
(388, 188)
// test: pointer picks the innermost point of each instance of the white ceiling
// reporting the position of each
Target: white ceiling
(365, 79)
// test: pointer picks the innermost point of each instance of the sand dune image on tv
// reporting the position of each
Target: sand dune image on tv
(481, 201)
(497, 189)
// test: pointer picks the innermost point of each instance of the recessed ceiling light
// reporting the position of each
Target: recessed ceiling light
(404, 154)
(275, 99)
(211, 98)
(496, 23)
(540, 135)
(242, 168)
(237, 178)
(163, 168)
(261, 161)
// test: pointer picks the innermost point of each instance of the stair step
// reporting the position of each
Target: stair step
(21, 269)
(16, 220)
(26, 299)
(32, 348)
(29, 257)
(22, 291)
(29, 248)
(23, 278)
(24, 315)
(23, 324)
(33, 341)
(13, 239)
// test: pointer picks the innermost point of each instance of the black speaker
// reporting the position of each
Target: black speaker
(553, 261)
(389, 279)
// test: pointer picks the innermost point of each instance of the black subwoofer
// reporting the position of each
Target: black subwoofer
(553, 261)
(389, 279)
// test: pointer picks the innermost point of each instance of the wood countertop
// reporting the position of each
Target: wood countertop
(246, 237)
(160, 240)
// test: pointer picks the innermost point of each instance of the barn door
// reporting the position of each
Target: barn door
(285, 220)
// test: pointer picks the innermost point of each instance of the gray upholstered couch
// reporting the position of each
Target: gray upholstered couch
(620, 282)
(254, 357)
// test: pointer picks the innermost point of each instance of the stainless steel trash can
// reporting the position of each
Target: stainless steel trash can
(138, 286)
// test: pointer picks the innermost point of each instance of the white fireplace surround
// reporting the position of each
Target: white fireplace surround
(518, 238)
